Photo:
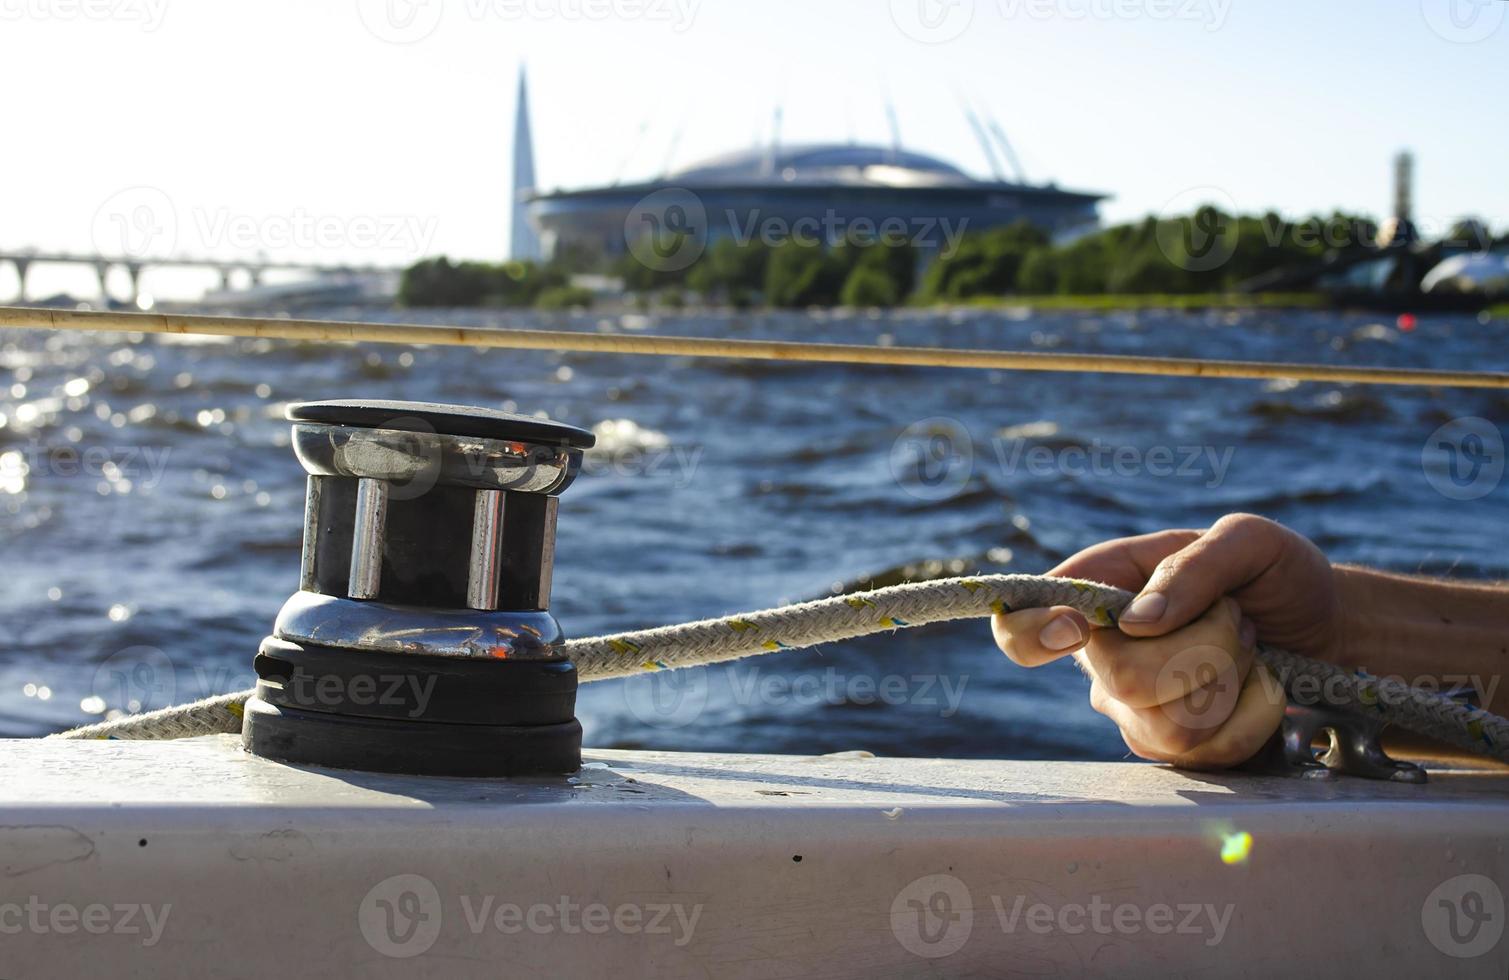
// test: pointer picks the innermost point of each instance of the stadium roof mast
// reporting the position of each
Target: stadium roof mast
(634, 144)
(774, 148)
(890, 115)
(1016, 165)
(523, 242)
(980, 134)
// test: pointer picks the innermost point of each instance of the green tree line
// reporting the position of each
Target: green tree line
(1203, 252)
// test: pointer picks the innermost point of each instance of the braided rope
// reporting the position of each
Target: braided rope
(808, 624)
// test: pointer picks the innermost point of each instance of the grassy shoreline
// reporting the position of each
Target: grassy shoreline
(1144, 301)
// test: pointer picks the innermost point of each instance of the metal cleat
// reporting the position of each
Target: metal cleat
(1354, 748)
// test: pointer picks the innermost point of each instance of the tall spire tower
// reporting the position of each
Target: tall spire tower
(523, 243)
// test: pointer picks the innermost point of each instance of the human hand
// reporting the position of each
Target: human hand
(1178, 676)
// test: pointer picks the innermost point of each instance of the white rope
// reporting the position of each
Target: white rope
(808, 624)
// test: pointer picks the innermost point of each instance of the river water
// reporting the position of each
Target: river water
(150, 508)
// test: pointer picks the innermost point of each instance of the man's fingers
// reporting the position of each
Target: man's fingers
(1236, 550)
(1032, 637)
(1126, 562)
(1163, 670)
(1259, 712)
(1229, 725)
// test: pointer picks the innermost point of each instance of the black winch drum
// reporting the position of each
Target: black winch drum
(421, 640)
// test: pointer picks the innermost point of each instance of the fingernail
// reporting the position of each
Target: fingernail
(1146, 608)
(1061, 634)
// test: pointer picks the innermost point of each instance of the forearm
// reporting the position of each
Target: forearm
(1426, 631)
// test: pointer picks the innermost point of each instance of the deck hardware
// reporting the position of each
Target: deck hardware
(421, 639)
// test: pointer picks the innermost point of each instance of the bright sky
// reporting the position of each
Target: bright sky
(302, 128)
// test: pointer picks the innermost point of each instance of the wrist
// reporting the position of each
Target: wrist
(1423, 630)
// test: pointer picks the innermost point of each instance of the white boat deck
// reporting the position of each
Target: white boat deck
(698, 865)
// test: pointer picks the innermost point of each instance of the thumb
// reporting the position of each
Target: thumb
(1236, 550)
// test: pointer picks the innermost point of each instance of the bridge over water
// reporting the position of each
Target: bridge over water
(254, 269)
